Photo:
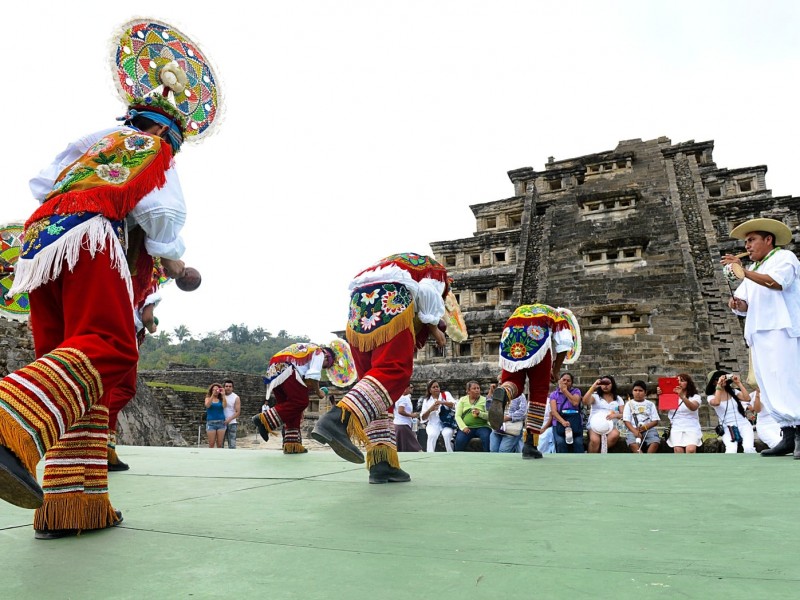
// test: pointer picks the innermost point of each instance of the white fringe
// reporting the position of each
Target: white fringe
(513, 366)
(282, 377)
(95, 235)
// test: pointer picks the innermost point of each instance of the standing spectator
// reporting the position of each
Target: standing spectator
(565, 403)
(215, 415)
(606, 407)
(730, 403)
(404, 416)
(769, 297)
(685, 434)
(439, 410)
(510, 435)
(472, 418)
(641, 418)
(232, 408)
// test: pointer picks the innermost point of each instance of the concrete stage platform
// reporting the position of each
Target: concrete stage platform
(203, 523)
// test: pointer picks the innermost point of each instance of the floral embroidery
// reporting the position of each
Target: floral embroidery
(54, 229)
(369, 297)
(536, 332)
(391, 305)
(99, 146)
(367, 315)
(113, 173)
(518, 350)
(139, 143)
(368, 323)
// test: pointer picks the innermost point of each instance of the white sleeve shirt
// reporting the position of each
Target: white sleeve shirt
(768, 309)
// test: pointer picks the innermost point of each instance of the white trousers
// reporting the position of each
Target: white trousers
(746, 430)
(776, 359)
(768, 431)
(433, 436)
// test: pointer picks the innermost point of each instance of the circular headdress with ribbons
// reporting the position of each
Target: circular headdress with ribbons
(454, 320)
(16, 307)
(158, 68)
(342, 372)
(574, 354)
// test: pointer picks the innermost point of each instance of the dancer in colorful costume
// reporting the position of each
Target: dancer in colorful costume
(73, 265)
(526, 349)
(395, 305)
(146, 298)
(769, 298)
(292, 373)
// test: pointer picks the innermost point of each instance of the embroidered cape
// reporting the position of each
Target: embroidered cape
(87, 206)
(526, 337)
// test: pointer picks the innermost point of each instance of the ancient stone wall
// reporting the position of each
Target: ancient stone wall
(630, 240)
(16, 346)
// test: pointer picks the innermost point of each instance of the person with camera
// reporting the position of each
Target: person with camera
(730, 399)
(606, 405)
(438, 410)
(685, 434)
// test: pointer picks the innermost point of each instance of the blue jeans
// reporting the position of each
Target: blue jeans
(230, 436)
(504, 443)
(561, 443)
(462, 439)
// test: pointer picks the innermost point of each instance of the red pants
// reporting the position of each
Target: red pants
(291, 399)
(390, 363)
(119, 397)
(88, 309)
(539, 385)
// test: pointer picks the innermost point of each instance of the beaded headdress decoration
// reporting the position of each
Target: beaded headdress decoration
(163, 75)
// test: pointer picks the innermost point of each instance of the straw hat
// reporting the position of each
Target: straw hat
(783, 235)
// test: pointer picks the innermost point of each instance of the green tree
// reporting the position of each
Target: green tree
(181, 332)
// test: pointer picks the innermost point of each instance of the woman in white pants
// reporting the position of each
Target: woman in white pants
(730, 403)
(433, 403)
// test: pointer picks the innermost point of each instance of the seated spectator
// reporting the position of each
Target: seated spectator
(564, 403)
(729, 397)
(404, 416)
(641, 418)
(472, 418)
(546, 443)
(685, 433)
(767, 427)
(438, 409)
(606, 407)
(509, 437)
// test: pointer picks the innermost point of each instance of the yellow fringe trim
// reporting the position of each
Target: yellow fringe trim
(355, 430)
(369, 341)
(113, 459)
(265, 423)
(382, 453)
(75, 510)
(19, 441)
(293, 448)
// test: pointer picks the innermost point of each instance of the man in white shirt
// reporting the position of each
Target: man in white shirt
(232, 408)
(769, 297)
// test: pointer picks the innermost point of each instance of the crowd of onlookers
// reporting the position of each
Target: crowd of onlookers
(592, 421)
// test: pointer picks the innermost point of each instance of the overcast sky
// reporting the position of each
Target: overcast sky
(357, 129)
